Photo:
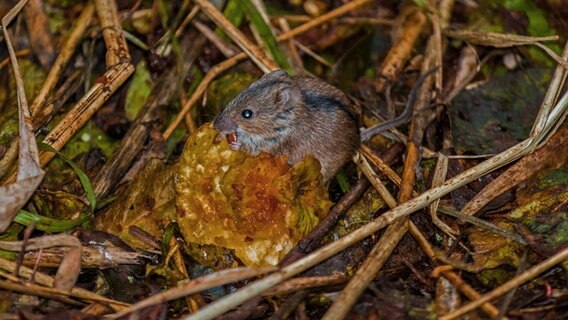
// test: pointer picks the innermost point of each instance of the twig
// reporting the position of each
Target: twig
(193, 286)
(212, 74)
(412, 21)
(65, 55)
(309, 243)
(35, 290)
(509, 285)
(254, 52)
(461, 285)
(227, 49)
(48, 282)
(346, 8)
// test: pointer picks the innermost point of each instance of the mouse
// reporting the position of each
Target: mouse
(294, 116)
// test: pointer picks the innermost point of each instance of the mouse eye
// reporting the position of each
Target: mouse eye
(247, 113)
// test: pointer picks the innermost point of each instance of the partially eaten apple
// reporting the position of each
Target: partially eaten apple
(258, 207)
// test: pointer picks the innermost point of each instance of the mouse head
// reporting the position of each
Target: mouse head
(263, 114)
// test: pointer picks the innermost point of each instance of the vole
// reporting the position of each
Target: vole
(297, 116)
(294, 116)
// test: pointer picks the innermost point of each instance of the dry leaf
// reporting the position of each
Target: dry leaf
(14, 196)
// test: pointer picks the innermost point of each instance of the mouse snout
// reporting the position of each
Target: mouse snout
(224, 124)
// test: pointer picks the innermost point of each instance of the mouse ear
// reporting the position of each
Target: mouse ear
(279, 73)
(289, 96)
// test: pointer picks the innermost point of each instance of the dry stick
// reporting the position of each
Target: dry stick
(226, 48)
(94, 256)
(58, 98)
(345, 20)
(117, 47)
(516, 173)
(289, 306)
(194, 286)
(194, 11)
(254, 52)
(295, 59)
(194, 302)
(19, 53)
(48, 281)
(244, 312)
(552, 94)
(312, 54)
(370, 155)
(81, 112)
(413, 23)
(131, 146)
(438, 177)
(39, 291)
(461, 285)
(304, 283)
(65, 55)
(509, 285)
(213, 72)
(326, 17)
(312, 240)
(221, 67)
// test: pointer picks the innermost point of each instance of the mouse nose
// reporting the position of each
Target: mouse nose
(224, 124)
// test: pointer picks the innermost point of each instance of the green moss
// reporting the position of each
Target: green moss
(224, 89)
(138, 91)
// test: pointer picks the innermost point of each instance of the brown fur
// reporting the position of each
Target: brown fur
(295, 116)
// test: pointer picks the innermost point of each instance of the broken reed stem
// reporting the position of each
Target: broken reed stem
(394, 233)
(81, 112)
(378, 255)
(324, 18)
(385, 246)
(411, 22)
(115, 42)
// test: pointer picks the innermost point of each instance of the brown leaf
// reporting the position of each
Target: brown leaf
(30, 174)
